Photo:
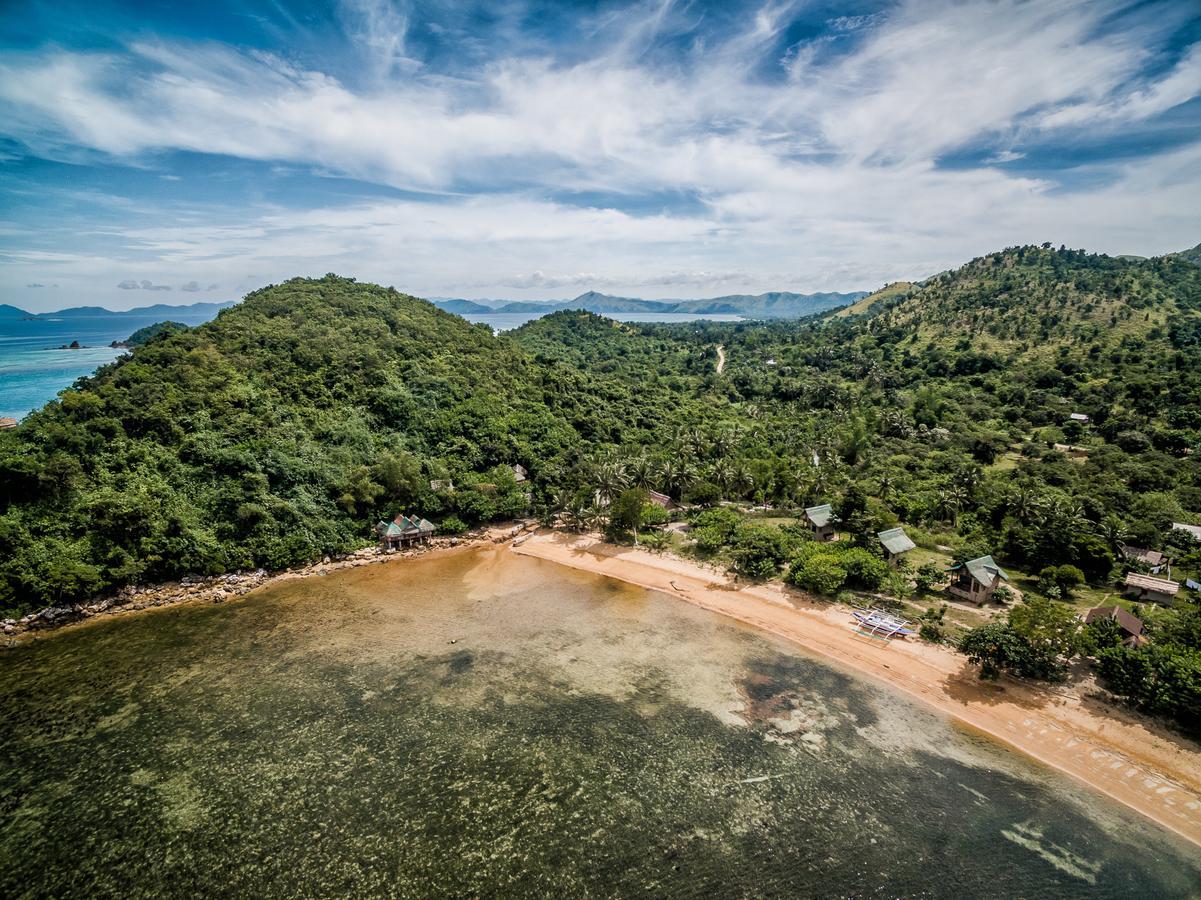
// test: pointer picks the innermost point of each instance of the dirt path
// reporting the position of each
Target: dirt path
(721, 358)
(1146, 768)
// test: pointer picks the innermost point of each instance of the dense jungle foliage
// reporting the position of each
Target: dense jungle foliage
(284, 429)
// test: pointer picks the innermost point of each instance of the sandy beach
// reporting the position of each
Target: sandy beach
(1136, 763)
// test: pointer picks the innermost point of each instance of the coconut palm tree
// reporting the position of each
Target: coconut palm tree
(609, 478)
(677, 475)
(641, 472)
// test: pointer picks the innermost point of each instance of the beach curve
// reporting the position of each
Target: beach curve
(1144, 767)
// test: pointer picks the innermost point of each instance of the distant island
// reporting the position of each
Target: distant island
(773, 305)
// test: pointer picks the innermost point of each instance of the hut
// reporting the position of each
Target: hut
(404, 530)
(896, 544)
(1078, 417)
(1151, 558)
(820, 520)
(662, 500)
(1151, 589)
(1130, 625)
(976, 580)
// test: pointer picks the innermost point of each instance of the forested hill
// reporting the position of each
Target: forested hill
(283, 429)
(1036, 299)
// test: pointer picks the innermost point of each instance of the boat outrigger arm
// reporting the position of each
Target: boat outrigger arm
(880, 624)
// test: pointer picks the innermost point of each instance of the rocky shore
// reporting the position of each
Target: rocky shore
(221, 588)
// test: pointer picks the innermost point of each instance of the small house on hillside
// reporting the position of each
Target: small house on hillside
(1194, 530)
(1130, 625)
(662, 500)
(1152, 558)
(1151, 589)
(7, 422)
(820, 520)
(442, 484)
(976, 580)
(404, 530)
(896, 544)
(1079, 417)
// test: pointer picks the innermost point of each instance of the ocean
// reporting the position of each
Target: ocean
(33, 370)
(484, 724)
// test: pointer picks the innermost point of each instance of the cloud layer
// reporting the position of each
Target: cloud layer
(656, 149)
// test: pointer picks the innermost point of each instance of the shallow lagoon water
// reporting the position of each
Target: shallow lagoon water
(487, 724)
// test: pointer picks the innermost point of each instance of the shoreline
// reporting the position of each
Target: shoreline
(231, 586)
(1145, 768)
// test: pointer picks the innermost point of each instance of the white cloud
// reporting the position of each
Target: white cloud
(826, 178)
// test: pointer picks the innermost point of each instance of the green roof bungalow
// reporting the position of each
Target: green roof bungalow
(976, 580)
(404, 530)
(821, 520)
(896, 544)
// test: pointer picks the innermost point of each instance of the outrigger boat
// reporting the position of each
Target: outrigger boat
(880, 624)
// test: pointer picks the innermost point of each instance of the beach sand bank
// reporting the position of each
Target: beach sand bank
(1146, 768)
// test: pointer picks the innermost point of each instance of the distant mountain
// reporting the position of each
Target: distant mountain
(11, 312)
(773, 305)
(193, 313)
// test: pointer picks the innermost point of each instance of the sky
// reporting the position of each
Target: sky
(175, 152)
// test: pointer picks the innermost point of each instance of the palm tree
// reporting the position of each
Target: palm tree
(641, 472)
(1022, 502)
(742, 481)
(678, 476)
(722, 474)
(610, 479)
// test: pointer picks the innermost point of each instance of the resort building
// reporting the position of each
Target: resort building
(404, 530)
(896, 544)
(820, 520)
(976, 580)
(1150, 589)
(662, 500)
(1131, 626)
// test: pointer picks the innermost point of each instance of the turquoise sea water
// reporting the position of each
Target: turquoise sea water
(31, 378)
(485, 725)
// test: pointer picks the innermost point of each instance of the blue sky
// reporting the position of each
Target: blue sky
(177, 152)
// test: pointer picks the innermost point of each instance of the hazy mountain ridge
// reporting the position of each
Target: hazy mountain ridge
(774, 304)
(202, 311)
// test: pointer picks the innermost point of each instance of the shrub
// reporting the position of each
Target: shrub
(452, 525)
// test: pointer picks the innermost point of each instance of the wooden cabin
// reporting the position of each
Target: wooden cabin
(1130, 625)
(821, 520)
(976, 580)
(403, 531)
(896, 544)
(1150, 589)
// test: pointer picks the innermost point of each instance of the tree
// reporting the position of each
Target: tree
(626, 512)
(928, 576)
(758, 551)
(997, 648)
(1051, 628)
